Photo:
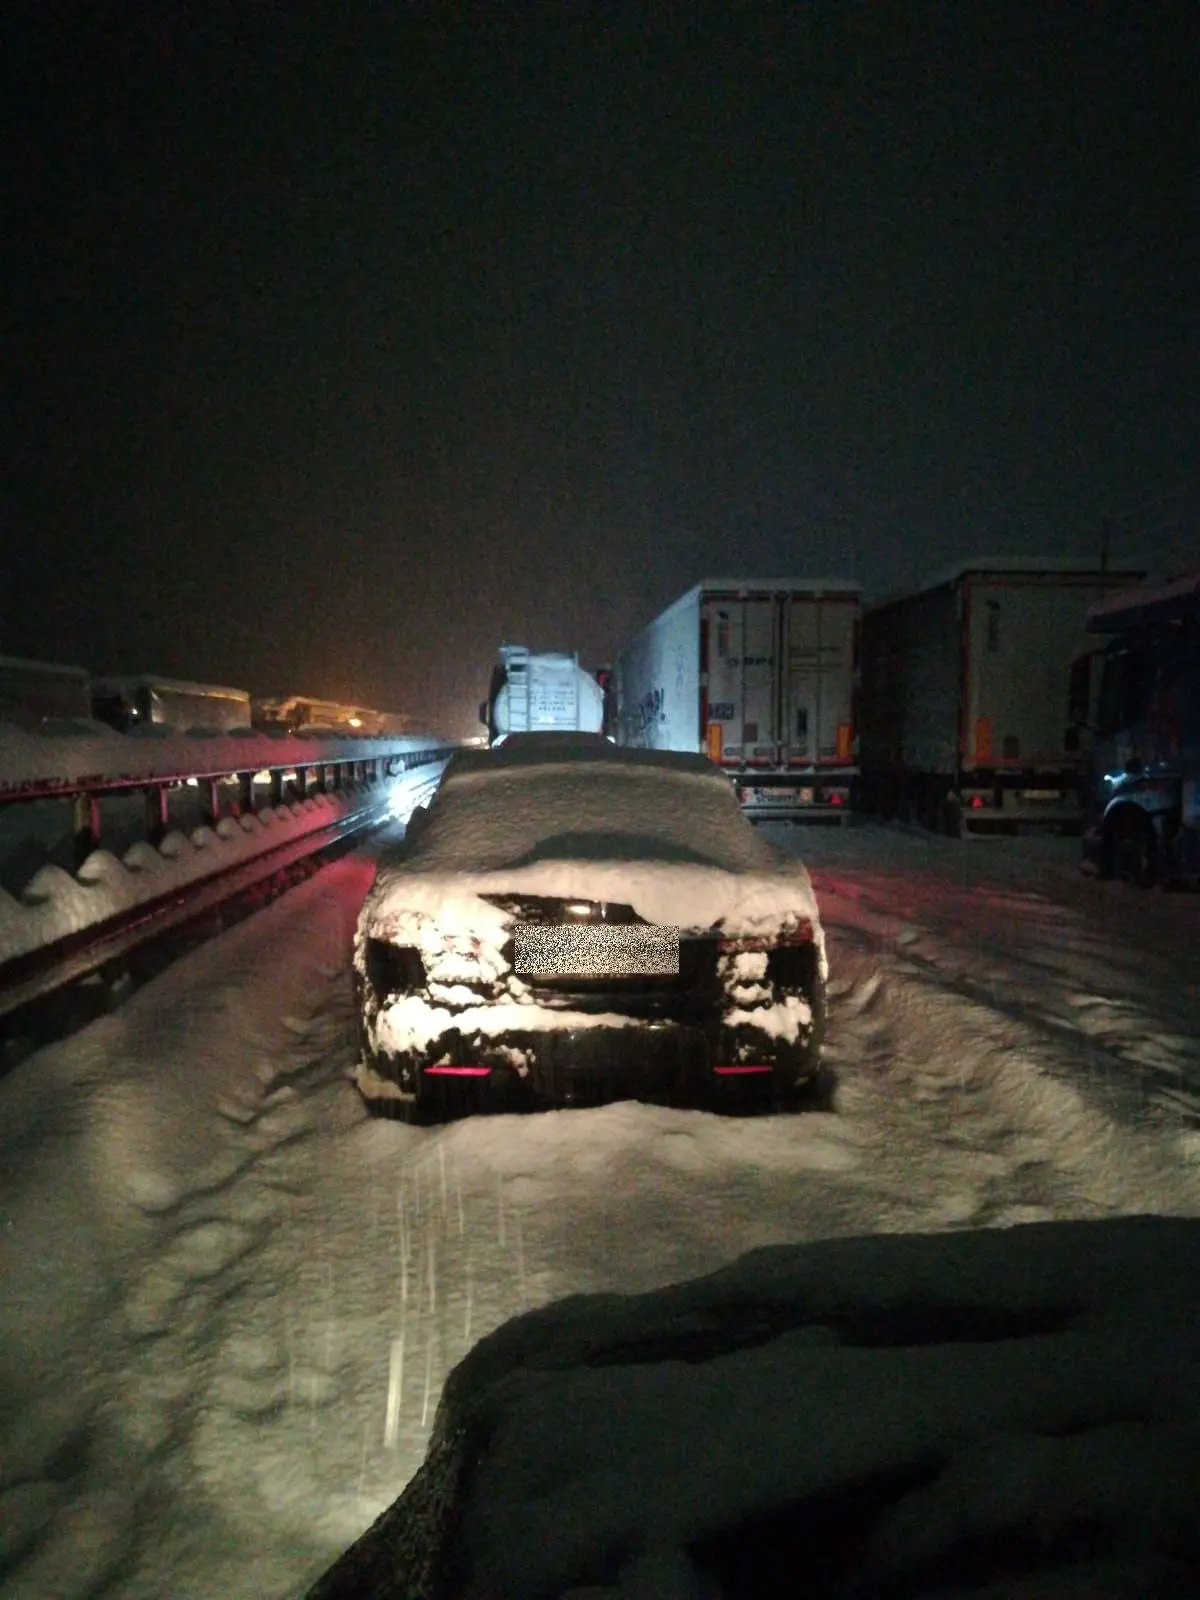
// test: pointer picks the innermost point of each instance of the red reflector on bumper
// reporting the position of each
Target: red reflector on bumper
(729, 1072)
(459, 1072)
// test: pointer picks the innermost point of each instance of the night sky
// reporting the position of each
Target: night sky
(344, 343)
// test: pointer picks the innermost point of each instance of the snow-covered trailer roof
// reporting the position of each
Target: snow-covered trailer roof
(1029, 566)
(1080, 567)
(1148, 603)
(150, 680)
(749, 588)
(42, 668)
(752, 586)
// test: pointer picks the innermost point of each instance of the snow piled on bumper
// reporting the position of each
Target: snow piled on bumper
(411, 1024)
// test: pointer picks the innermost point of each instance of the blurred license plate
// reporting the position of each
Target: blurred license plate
(1041, 794)
(778, 797)
(594, 950)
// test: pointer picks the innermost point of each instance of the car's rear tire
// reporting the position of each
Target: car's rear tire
(815, 1093)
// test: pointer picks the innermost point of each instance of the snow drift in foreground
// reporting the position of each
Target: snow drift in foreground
(1006, 1412)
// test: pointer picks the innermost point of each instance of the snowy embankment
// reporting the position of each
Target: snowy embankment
(231, 1300)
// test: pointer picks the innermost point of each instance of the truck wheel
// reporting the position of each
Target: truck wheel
(1135, 852)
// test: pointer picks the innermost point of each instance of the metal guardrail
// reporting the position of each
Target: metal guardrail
(255, 805)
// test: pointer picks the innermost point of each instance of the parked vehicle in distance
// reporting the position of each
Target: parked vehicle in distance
(142, 701)
(961, 695)
(570, 920)
(540, 692)
(32, 692)
(1139, 695)
(759, 675)
(298, 713)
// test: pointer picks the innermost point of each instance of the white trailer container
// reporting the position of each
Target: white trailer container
(964, 689)
(757, 674)
(547, 692)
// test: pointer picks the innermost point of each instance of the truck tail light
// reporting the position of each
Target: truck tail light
(845, 741)
(976, 802)
(716, 741)
(983, 738)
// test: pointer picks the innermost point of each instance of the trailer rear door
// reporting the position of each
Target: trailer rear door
(1023, 633)
(818, 683)
(743, 698)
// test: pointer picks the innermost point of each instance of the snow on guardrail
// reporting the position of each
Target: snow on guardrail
(56, 903)
(74, 756)
(371, 778)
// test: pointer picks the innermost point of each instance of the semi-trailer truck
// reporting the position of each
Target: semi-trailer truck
(757, 674)
(963, 688)
(1137, 691)
(135, 703)
(541, 692)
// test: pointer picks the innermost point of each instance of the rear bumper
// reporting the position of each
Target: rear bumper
(1051, 801)
(1057, 819)
(811, 796)
(650, 1059)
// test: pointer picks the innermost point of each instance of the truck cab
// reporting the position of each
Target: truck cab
(1138, 692)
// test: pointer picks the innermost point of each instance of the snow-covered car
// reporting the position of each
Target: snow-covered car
(570, 919)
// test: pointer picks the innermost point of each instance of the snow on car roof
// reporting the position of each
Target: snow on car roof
(554, 749)
(572, 814)
(534, 797)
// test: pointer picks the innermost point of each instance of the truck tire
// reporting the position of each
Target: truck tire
(1135, 850)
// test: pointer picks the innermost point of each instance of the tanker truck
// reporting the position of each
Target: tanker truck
(545, 692)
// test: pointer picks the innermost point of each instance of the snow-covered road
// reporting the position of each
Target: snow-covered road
(230, 1298)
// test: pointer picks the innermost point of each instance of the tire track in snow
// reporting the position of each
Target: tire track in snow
(183, 1136)
(993, 1108)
